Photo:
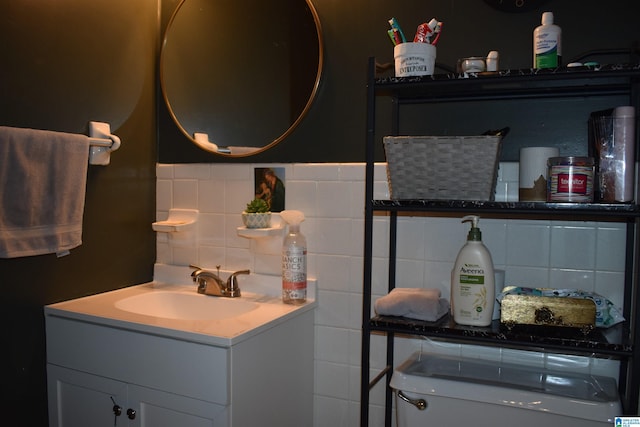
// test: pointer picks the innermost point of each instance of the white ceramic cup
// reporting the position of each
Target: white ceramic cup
(414, 59)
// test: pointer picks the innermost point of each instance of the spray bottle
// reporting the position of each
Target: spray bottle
(547, 43)
(294, 260)
(472, 280)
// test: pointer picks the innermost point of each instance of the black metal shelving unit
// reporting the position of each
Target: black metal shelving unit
(619, 342)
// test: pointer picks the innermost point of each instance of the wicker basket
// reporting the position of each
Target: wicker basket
(442, 167)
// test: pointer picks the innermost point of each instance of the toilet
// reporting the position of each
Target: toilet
(435, 390)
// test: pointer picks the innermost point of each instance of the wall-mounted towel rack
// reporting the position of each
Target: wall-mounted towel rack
(102, 142)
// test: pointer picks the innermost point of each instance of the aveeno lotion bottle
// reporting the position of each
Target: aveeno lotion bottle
(472, 280)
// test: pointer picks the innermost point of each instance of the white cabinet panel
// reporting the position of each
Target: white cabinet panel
(81, 399)
(156, 408)
(78, 399)
(186, 368)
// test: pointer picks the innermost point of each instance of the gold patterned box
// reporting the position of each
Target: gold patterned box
(547, 311)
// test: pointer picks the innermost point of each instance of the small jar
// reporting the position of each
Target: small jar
(472, 64)
(570, 179)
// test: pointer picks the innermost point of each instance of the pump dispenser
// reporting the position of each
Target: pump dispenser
(472, 280)
(294, 260)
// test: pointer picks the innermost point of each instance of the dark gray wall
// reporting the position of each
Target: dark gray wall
(356, 29)
(64, 63)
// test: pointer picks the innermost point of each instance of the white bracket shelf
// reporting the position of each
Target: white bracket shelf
(179, 220)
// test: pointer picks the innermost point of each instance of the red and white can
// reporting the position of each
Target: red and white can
(570, 179)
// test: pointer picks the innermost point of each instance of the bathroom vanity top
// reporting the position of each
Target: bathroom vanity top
(170, 306)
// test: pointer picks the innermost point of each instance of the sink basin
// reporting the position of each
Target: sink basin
(181, 305)
(171, 307)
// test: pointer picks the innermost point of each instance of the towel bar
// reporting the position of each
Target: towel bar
(100, 142)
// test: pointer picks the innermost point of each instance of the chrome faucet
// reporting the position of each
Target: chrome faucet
(210, 283)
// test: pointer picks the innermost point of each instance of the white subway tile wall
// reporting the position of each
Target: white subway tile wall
(585, 255)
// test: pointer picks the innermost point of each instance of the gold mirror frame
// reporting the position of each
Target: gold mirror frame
(210, 147)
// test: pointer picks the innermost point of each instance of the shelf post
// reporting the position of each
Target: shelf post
(368, 248)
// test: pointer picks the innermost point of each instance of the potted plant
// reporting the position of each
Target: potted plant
(257, 214)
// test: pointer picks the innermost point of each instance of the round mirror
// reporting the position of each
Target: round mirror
(239, 76)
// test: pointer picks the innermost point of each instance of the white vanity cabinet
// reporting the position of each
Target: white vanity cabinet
(96, 365)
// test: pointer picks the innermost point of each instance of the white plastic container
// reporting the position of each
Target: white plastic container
(624, 135)
(493, 61)
(456, 391)
(414, 59)
(473, 280)
(613, 141)
(534, 173)
(547, 43)
(294, 260)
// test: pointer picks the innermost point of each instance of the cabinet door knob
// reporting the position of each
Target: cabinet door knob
(117, 410)
(131, 413)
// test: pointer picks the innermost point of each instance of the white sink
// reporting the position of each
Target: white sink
(170, 306)
(181, 305)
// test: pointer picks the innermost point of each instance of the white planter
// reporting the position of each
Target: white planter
(256, 220)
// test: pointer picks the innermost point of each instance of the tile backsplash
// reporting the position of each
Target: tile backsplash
(559, 254)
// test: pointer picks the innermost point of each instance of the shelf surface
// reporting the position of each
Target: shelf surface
(259, 232)
(600, 341)
(614, 210)
(516, 83)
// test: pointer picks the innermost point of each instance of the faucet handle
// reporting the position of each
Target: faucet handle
(196, 270)
(232, 283)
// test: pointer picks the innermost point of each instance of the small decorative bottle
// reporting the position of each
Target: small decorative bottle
(294, 260)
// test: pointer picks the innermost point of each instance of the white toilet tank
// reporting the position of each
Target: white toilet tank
(469, 392)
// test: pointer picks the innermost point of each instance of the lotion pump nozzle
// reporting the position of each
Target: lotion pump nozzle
(474, 234)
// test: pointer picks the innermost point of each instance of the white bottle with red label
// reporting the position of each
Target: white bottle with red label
(294, 260)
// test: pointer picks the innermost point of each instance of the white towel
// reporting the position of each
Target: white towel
(43, 177)
(415, 303)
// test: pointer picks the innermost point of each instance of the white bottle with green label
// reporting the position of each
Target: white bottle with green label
(472, 280)
(547, 43)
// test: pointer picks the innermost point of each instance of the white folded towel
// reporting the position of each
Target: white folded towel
(415, 303)
(43, 177)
